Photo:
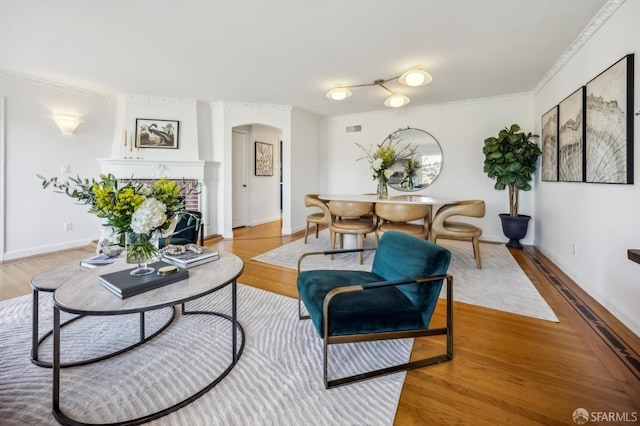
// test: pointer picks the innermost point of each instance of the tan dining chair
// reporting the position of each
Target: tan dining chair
(444, 227)
(398, 217)
(354, 218)
(323, 217)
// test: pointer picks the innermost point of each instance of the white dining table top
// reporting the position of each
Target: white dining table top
(403, 199)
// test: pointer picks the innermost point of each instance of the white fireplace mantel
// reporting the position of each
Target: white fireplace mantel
(153, 169)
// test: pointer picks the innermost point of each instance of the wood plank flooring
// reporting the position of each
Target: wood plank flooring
(507, 369)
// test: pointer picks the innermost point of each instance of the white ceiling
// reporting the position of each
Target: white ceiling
(291, 52)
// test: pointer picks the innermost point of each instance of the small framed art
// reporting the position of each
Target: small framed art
(264, 159)
(157, 133)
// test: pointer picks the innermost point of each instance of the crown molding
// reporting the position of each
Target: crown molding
(592, 27)
(158, 99)
(244, 105)
(55, 84)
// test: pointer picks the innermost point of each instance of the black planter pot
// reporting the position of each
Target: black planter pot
(514, 228)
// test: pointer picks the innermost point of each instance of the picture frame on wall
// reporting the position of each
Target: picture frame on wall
(153, 133)
(571, 131)
(609, 119)
(549, 142)
(264, 159)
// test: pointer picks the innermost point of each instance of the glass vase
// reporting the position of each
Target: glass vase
(141, 250)
(383, 190)
(410, 184)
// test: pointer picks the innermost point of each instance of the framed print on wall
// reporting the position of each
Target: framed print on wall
(156, 133)
(550, 145)
(264, 159)
(571, 137)
(609, 119)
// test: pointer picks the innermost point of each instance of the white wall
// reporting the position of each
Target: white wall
(303, 169)
(460, 128)
(34, 145)
(602, 220)
(185, 111)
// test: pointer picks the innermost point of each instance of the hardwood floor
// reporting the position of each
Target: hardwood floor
(507, 369)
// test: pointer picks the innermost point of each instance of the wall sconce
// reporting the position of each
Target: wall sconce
(67, 122)
(412, 78)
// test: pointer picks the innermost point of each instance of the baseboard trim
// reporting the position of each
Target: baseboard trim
(563, 284)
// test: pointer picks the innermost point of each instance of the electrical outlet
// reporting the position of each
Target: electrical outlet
(65, 169)
(67, 226)
(574, 249)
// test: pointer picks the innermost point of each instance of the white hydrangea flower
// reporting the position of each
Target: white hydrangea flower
(388, 173)
(150, 215)
(376, 164)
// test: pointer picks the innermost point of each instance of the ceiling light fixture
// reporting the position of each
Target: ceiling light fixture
(339, 93)
(66, 122)
(413, 78)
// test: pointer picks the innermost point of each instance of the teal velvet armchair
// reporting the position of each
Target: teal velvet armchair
(395, 300)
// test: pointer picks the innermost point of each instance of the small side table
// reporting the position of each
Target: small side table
(48, 282)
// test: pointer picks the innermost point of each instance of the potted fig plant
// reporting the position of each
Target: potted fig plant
(510, 159)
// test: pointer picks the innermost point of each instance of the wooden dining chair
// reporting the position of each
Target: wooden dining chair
(352, 218)
(322, 217)
(443, 226)
(408, 218)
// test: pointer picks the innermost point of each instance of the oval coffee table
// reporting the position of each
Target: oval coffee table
(84, 295)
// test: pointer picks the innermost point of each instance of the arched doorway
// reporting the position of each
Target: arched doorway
(256, 174)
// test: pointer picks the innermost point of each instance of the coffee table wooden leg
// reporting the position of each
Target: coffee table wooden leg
(56, 362)
(234, 319)
(34, 326)
(142, 326)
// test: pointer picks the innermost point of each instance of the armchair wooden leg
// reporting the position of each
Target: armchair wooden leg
(317, 230)
(476, 252)
(332, 235)
(306, 232)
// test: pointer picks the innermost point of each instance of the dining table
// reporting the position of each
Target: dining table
(428, 201)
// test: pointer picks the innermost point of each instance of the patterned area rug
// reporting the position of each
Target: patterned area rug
(277, 381)
(500, 284)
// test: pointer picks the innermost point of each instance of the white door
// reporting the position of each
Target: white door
(239, 179)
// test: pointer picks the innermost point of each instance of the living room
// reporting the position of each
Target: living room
(583, 228)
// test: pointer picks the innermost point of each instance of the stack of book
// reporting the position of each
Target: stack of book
(191, 259)
(123, 284)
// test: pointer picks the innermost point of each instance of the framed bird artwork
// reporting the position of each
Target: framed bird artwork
(156, 133)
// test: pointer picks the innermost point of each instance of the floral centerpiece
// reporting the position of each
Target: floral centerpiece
(382, 159)
(411, 167)
(135, 214)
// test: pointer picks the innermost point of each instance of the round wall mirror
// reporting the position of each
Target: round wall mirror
(425, 166)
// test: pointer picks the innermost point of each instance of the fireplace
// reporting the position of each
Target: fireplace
(200, 176)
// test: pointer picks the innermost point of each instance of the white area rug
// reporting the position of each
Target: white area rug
(277, 381)
(500, 284)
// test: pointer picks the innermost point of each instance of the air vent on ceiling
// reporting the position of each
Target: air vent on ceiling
(352, 129)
